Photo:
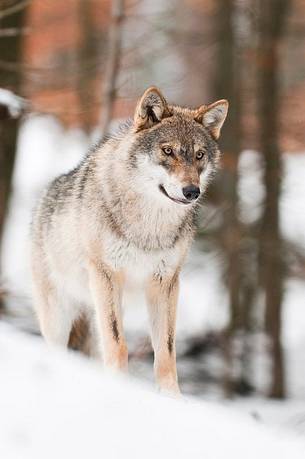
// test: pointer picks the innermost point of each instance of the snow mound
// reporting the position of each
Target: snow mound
(56, 404)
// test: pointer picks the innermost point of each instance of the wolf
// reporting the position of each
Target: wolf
(125, 214)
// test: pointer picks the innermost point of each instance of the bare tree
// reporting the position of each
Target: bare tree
(87, 57)
(271, 22)
(11, 17)
(227, 85)
(113, 63)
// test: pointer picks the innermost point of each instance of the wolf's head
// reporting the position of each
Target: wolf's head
(175, 150)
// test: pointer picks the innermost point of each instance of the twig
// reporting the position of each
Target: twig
(13, 31)
(14, 9)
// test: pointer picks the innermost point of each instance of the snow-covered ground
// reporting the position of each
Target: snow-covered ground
(55, 404)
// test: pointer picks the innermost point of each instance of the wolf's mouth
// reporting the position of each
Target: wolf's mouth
(179, 201)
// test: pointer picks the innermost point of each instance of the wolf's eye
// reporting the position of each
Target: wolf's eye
(199, 154)
(167, 150)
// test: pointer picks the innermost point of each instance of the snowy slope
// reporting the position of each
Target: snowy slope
(55, 404)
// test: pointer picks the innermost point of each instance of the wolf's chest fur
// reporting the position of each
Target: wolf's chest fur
(137, 264)
(144, 239)
(146, 226)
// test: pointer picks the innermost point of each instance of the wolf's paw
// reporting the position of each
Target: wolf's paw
(170, 390)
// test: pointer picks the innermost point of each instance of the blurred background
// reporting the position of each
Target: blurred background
(71, 71)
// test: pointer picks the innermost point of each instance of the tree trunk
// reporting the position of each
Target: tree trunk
(87, 54)
(271, 18)
(113, 63)
(10, 51)
(227, 85)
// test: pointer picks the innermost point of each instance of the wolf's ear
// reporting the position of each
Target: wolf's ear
(213, 116)
(151, 108)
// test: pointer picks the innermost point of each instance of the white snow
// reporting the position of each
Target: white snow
(55, 404)
(250, 186)
(292, 205)
(44, 151)
(15, 104)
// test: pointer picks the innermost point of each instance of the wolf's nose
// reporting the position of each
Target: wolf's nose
(191, 192)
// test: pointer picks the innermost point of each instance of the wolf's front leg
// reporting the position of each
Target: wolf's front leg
(162, 296)
(106, 290)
